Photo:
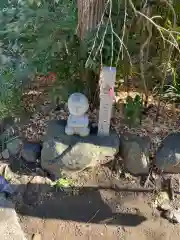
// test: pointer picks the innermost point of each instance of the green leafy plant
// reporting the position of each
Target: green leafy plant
(34, 39)
(132, 110)
(62, 183)
(39, 36)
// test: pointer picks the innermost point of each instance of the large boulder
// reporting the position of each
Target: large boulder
(134, 151)
(61, 152)
(167, 157)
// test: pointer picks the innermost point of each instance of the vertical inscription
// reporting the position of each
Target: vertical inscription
(107, 82)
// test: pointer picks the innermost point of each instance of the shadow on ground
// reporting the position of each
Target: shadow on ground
(87, 207)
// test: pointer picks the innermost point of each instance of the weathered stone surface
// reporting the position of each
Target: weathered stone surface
(5, 154)
(31, 151)
(135, 153)
(14, 146)
(172, 215)
(17, 183)
(9, 225)
(74, 153)
(167, 157)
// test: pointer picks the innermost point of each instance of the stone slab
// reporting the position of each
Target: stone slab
(74, 153)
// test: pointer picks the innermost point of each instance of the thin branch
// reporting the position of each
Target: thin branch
(133, 7)
(145, 45)
(123, 34)
(97, 33)
(166, 65)
(124, 47)
(159, 28)
(112, 36)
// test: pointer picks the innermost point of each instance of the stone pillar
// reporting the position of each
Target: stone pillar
(107, 82)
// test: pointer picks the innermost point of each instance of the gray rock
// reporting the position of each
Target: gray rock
(167, 157)
(16, 183)
(5, 154)
(165, 206)
(31, 151)
(176, 217)
(9, 226)
(73, 153)
(134, 151)
(14, 146)
(172, 215)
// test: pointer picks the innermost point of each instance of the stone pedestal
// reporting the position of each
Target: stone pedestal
(74, 153)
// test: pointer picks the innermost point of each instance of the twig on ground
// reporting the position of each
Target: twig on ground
(93, 216)
(148, 178)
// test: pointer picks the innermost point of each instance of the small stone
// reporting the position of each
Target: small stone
(134, 151)
(31, 151)
(37, 236)
(172, 215)
(5, 154)
(165, 206)
(168, 215)
(176, 216)
(167, 157)
(157, 129)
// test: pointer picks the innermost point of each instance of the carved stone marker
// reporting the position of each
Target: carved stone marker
(77, 121)
(107, 81)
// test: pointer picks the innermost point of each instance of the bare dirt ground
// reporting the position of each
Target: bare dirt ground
(89, 213)
(93, 214)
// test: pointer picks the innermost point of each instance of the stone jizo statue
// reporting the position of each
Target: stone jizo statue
(77, 122)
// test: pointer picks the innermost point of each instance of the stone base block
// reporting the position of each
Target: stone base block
(61, 152)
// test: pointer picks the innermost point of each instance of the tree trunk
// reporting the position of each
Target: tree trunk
(89, 15)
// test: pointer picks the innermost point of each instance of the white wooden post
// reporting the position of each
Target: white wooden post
(107, 82)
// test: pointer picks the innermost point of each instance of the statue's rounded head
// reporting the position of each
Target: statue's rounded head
(78, 104)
